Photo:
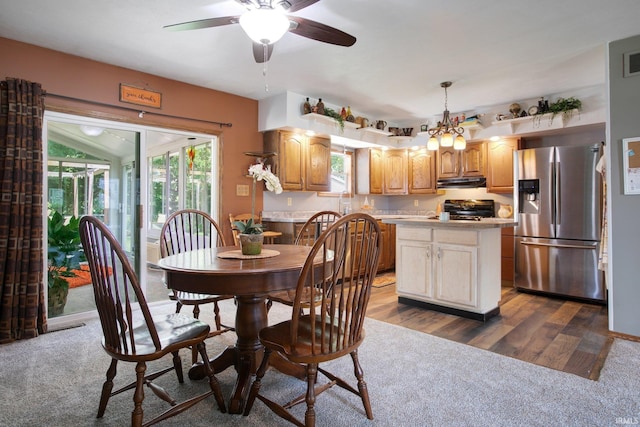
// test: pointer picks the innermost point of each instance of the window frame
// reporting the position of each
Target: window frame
(350, 174)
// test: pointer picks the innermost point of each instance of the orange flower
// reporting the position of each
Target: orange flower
(191, 154)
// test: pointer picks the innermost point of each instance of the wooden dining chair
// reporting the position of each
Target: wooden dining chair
(131, 333)
(187, 230)
(257, 219)
(269, 235)
(343, 262)
(307, 236)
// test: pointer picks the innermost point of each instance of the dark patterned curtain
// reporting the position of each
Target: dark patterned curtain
(22, 303)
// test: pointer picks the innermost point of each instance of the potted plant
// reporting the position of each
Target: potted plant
(565, 106)
(336, 116)
(250, 233)
(64, 256)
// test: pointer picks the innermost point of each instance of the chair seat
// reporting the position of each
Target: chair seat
(284, 297)
(189, 298)
(278, 338)
(288, 296)
(173, 331)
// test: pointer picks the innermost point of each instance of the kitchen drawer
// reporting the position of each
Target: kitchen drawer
(414, 233)
(457, 237)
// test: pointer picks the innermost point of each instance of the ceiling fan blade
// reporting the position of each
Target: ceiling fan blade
(203, 23)
(321, 32)
(299, 4)
(258, 52)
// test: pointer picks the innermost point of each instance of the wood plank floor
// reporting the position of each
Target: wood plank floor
(564, 335)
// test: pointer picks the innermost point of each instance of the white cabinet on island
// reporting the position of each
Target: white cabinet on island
(452, 266)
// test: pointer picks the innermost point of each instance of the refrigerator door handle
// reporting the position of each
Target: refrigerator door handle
(552, 198)
(558, 208)
(559, 246)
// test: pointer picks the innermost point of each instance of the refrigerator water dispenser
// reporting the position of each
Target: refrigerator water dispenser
(528, 192)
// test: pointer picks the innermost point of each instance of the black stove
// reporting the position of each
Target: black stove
(469, 209)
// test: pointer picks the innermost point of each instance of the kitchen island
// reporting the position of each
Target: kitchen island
(452, 266)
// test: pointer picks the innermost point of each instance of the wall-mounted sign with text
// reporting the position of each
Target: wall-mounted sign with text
(135, 95)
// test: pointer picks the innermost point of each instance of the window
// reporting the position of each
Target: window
(76, 182)
(179, 178)
(341, 173)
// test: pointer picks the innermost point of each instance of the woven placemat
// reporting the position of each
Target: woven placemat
(266, 253)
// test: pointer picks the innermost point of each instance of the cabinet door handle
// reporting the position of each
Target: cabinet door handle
(438, 254)
(428, 253)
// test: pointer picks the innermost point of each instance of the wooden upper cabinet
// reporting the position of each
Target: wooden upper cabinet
(376, 171)
(302, 163)
(448, 162)
(395, 172)
(500, 165)
(422, 172)
(456, 163)
(369, 171)
(474, 159)
(318, 177)
(291, 161)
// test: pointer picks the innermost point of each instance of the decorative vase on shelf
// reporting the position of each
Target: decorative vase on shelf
(306, 107)
(350, 117)
(320, 107)
(251, 244)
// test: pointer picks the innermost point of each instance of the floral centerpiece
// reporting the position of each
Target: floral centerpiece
(251, 236)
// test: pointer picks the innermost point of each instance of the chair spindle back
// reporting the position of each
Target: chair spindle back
(340, 270)
(187, 230)
(119, 299)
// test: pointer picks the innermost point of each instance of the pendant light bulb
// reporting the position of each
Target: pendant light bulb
(446, 140)
(459, 143)
(432, 143)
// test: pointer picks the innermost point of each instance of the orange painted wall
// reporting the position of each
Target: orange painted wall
(77, 77)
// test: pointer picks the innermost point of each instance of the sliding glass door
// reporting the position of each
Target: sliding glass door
(129, 176)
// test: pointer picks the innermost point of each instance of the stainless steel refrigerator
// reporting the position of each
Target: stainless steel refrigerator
(559, 213)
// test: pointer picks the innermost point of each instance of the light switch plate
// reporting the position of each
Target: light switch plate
(242, 190)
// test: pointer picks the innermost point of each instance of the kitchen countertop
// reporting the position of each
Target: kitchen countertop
(285, 219)
(303, 218)
(435, 223)
(413, 220)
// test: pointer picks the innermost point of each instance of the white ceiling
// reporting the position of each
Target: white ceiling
(495, 52)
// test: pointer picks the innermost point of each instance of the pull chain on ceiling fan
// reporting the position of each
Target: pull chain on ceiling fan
(266, 21)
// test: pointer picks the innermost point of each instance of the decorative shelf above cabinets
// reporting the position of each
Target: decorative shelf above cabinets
(371, 129)
(329, 120)
(400, 138)
(539, 121)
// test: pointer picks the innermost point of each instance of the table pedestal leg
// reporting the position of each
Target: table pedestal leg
(251, 317)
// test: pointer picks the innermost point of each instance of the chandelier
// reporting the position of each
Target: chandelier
(448, 134)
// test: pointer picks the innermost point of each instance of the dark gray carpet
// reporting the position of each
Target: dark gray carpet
(414, 380)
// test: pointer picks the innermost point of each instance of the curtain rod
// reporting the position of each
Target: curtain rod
(140, 112)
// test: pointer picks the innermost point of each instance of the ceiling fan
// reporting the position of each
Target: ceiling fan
(266, 21)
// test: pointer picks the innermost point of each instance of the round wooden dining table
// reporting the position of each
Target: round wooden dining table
(224, 271)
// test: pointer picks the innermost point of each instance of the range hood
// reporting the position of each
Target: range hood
(463, 182)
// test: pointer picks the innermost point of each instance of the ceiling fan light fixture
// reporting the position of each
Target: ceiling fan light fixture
(264, 25)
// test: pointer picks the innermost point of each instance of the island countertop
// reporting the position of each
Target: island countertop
(435, 223)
